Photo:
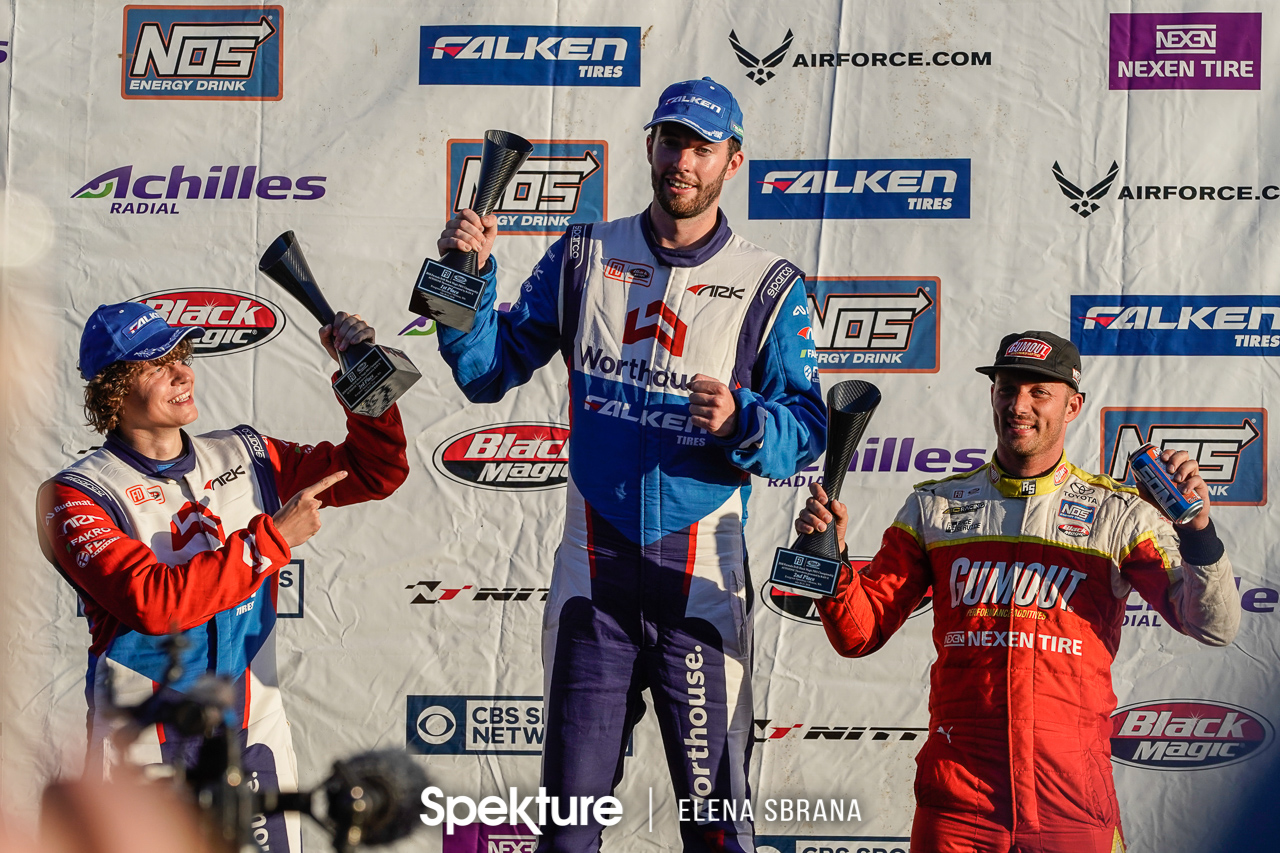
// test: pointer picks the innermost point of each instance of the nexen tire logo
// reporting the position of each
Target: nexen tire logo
(1229, 444)
(232, 321)
(203, 53)
(564, 181)
(529, 56)
(516, 457)
(1186, 734)
(863, 324)
(859, 189)
(1176, 325)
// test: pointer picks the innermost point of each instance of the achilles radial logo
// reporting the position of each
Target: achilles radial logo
(520, 457)
(859, 189)
(563, 181)
(1176, 325)
(199, 53)
(1229, 444)
(529, 56)
(232, 321)
(1186, 734)
(474, 725)
(864, 324)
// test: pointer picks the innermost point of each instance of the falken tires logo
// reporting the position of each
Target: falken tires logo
(457, 55)
(203, 53)
(564, 181)
(1187, 734)
(868, 324)
(1114, 324)
(521, 457)
(859, 189)
(801, 608)
(233, 321)
(1229, 444)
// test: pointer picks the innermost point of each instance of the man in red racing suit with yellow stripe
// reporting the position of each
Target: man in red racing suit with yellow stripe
(1031, 560)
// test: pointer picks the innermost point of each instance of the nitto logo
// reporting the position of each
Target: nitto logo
(766, 732)
(220, 53)
(433, 592)
(1176, 325)
(564, 181)
(716, 291)
(522, 457)
(759, 69)
(1186, 734)
(875, 325)
(529, 56)
(859, 189)
(672, 341)
(232, 321)
(1229, 445)
(235, 182)
(803, 609)
(1085, 202)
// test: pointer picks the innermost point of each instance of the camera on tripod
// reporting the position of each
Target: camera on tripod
(369, 799)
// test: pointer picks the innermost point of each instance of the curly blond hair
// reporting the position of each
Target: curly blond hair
(105, 393)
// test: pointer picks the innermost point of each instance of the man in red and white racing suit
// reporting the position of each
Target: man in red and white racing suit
(1031, 560)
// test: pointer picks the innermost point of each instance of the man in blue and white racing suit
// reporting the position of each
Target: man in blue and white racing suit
(690, 368)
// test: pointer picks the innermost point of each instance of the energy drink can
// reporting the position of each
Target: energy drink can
(1150, 471)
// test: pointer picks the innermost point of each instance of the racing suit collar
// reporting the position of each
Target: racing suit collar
(1026, 487)
(177, 469)
(687, 257)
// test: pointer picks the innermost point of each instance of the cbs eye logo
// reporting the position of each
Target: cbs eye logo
(436, 725)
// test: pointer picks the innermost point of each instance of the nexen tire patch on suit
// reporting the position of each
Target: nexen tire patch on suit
(518, 457)
(232, 321)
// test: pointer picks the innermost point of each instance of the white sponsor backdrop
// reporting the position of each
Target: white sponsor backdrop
(1035, 91)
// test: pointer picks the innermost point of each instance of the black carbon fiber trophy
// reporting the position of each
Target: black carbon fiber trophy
(373, 377)
(812, 565)
(449, 290)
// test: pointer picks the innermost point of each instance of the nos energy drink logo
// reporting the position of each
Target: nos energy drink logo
(1176, 325)
(563, 181)
(475, 725)
(1186, 734)
(195, 53)
(859, 189)
(1229, 444)
(529, 56)
(875, 325)
(232, 321)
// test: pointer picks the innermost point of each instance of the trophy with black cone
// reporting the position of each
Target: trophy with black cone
(811, 566)
(372, 377)
(449, 290)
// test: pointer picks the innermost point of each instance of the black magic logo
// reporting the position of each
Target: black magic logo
(759, 72)
(1085, 201)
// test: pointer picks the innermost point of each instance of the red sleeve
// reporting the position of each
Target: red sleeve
(870, 606)
(126, 585)
(373, 457)
(1147, 565)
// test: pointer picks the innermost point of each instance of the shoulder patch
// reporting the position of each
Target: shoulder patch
(930, 485)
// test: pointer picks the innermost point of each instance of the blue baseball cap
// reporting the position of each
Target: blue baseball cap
(127, 331)
(704, 105)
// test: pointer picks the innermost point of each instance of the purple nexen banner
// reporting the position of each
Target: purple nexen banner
(1186, 50)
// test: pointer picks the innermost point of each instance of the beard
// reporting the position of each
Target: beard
(686, 207)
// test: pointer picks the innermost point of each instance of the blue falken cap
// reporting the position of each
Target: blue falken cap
(704, 105)
(127, 331)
